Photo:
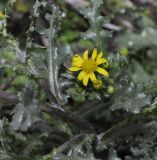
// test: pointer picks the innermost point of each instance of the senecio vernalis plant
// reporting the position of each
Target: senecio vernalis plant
(59, 104)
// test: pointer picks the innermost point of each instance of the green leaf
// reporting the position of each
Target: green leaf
(95, 33)
(5, 156)
(56, 57)
(133, 100)
(27, 112)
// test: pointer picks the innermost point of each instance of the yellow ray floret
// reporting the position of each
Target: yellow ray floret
(88, 66)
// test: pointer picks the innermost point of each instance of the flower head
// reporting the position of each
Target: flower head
(88, 66)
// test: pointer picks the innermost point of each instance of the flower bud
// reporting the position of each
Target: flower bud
(110, 89)
(2, 16)
(124, 52)
(97, 84)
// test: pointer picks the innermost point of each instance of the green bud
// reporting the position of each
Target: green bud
(110, 89)
(124, 52)
(2, 16)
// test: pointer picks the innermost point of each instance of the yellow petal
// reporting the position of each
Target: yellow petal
(81, 75)
(77, 64)
(94, 54)
(92, 77)
(77, 57)
(100, 55)
(102, 71)
(85, 79)
(100, 61)
(77, 61)
(85, 55)
(74, 69)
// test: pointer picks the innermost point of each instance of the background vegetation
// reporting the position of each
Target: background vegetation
(45, 113)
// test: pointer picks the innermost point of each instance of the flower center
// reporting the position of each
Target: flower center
(89, 66)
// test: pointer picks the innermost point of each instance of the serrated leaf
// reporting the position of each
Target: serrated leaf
(95, 34)
(131, 102)
(54, 62)
(24, 118)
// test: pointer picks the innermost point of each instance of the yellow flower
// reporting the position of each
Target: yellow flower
(88, 66)
(2, 16)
